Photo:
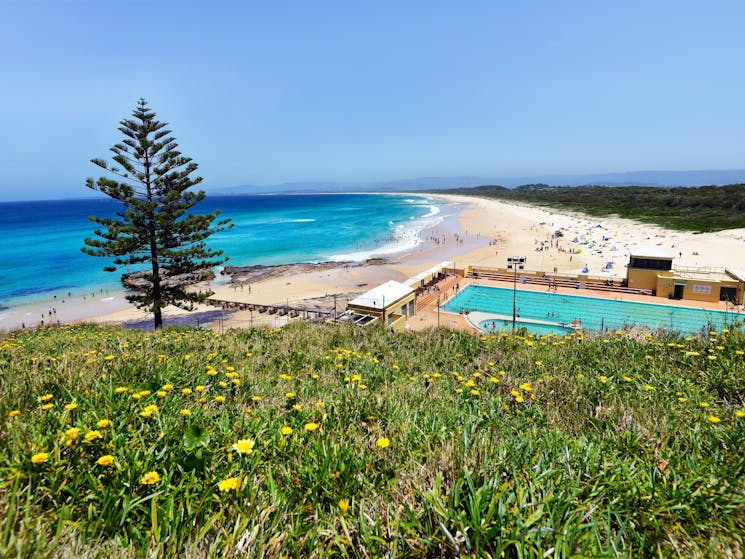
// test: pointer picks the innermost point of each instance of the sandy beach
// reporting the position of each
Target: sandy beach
(485, 233)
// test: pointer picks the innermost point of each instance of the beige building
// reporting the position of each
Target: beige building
(651, 268)
(391, 303)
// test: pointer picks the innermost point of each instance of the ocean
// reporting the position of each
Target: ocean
(40, 257)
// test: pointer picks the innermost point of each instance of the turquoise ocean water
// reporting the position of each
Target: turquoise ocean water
(40, 254)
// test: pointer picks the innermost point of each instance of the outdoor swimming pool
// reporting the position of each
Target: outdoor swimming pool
(590, 312)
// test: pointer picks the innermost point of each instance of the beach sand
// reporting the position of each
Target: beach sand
(485, 233)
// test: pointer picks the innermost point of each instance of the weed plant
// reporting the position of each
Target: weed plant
(333, 441)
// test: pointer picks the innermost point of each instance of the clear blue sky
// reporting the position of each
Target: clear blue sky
(262, 92)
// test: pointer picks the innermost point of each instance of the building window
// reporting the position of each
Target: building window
(651, 264)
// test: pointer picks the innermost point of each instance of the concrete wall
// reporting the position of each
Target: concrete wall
(697, 289)
(638, 278)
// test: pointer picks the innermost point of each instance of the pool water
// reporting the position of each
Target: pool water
(589, 312)
(537, 329)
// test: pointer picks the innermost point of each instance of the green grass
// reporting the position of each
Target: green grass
(702, 208)
(500, 446)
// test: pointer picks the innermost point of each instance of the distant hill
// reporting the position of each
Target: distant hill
(715, 177)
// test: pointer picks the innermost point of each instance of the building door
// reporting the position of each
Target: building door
(678, 293)
(728, 294)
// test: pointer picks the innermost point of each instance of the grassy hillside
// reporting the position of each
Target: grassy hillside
(324, 441)
(703, 208)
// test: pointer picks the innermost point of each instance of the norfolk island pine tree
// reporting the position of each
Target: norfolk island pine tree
(154, 230)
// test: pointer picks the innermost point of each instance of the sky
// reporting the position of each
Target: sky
(261, 92)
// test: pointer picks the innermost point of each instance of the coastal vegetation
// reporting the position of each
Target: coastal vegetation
(318, 441)
(155, 233)
(702, 208)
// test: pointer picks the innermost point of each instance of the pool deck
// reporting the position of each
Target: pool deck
(428, 316)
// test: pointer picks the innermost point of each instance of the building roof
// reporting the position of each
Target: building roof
(651, 251)
(444, 265)
(388, 293)
(739, 275)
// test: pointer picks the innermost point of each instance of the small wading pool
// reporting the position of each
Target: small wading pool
(590, 313)
(497, 325)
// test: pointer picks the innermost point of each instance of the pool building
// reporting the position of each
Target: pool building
(651, 269)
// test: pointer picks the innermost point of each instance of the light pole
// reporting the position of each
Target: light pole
(513, 263)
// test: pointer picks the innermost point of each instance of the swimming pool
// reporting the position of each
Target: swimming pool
(589, 312)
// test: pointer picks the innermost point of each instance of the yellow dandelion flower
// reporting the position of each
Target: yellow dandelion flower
(186, 391)
(14, 413)
(320, 405)
(150, 478)
(184, 412)
(714, 419)
(103, 423)
(92, 436)
(311, 426)
(526, 387)
(40, 458)
(136, 396)
(519, 400)
(343, 505)
(256, 398)
(244, 446)
(71, 406)
(297, 407)
(167, 387)
(161, 394)
(202, 400)
(109, 358)
(286, 430)
(45, 398)
(219, 399)
(474, 392)
(682, 400)
(47, 407)
(704, 404)
(289, 395)
(236, 382)
(105, 460)
(73, 433)
(383, 442)
(223, 384)
(740, 413)
(200, 388)
(627, 379)
(315, 376)
(649, 387)
(603, 379)
(229, 484)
